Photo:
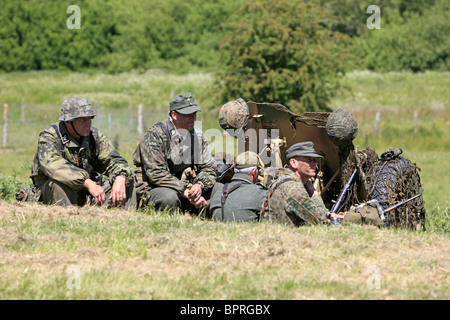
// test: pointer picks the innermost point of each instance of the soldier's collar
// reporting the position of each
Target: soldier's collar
(70, 141)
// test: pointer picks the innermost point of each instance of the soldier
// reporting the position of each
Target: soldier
(241, 199)
(176, 160)
(71, 154)
(292, 199)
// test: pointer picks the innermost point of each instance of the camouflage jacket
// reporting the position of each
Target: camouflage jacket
(164, 158)
(290, 203)
(71, 162)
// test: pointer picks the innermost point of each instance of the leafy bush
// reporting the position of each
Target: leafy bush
(417, 42)
(284, 52)
(9, 185)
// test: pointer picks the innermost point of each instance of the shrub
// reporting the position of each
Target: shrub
(283, 52)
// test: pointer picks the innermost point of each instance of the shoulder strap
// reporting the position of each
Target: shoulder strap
(225, 193)
(61, 144)
(272, 188)
(167, 133)
(93, 140)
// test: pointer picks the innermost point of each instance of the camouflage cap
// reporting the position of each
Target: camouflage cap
(302, 149)
(234, 114)
(341, 127)
(248, 159)
(184, 103)
(77, 107)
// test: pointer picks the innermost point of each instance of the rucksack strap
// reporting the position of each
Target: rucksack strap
(272, 188)
(225, 194)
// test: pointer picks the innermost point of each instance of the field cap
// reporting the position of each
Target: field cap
(184, 103)
(76, 107)
(248, 159)
(302, 149)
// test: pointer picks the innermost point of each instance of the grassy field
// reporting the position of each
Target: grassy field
(115, 254)
(149, 255)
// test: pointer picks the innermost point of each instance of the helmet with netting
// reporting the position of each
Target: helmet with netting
(341, 127)
(77, 107)
(234, 114)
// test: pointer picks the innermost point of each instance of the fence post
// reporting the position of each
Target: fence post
(109, 124)
(416, 121)
(377, 122)
(140, 121)
(22, 112)
(130, 118)
(5, 124)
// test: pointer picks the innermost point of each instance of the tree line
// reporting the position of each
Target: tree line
(290, 51)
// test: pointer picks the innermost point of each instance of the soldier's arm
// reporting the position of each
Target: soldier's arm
(110, 162)
(54, 166)
(207, 167)
(154, 163)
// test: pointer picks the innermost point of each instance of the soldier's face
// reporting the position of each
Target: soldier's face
(184, 121)
(305, 166)
(82, 125)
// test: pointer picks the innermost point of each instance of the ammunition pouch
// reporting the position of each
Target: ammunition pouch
(367, 215)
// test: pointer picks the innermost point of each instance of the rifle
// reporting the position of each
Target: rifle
(383, 211)
(337, 204)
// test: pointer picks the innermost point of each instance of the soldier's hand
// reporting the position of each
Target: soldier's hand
(195, 192)
(118, 191)
(200, 203)
(96, 191)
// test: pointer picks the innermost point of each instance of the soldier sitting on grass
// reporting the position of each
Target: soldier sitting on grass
(75, 164)
(175, 160)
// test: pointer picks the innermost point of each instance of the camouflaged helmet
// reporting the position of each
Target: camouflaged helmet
(341, 127)
(234, 114)
(77, 107)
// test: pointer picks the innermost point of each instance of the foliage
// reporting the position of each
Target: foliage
(418, 41)
(122, 35)
(116, 35)
(9, 185)
(35, 35)
(283, 52)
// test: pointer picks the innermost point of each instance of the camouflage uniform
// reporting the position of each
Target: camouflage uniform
(164, 158)
(290, 203)
(61, 163)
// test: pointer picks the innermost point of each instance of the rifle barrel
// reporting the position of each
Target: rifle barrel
(338, 202)
(400, 204)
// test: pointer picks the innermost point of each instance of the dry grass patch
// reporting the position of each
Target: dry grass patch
(148, 255)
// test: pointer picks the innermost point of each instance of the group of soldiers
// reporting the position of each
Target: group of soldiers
(174, 170)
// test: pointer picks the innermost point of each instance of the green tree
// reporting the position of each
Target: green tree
(419, 41)
(284, 52)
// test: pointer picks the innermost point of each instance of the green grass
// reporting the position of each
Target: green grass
(149, 255)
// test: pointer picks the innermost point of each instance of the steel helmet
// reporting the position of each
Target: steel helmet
(341, 127)
(234, 114)
(77, 107)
